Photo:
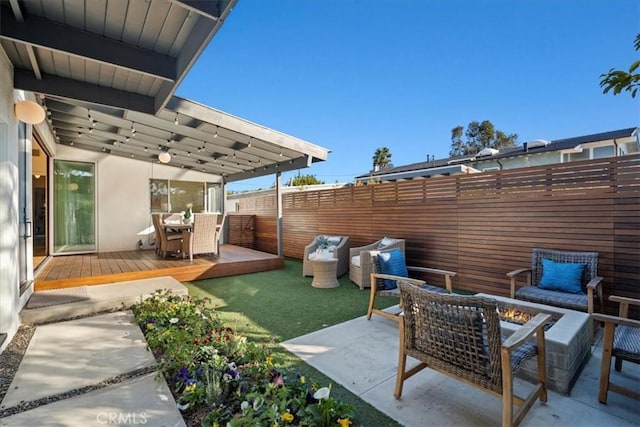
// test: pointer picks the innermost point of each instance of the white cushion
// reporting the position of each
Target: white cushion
(334, 240)
(386, 241)
(321, 254)
(355, 260)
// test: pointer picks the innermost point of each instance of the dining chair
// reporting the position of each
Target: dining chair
(165, 242)
(202, 238)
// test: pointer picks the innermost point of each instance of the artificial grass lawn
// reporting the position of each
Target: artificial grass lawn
(274, 306)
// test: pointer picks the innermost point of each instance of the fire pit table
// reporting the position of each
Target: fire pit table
(568, 342)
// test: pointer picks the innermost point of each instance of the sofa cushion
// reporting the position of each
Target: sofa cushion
(355, 260)
(561, 276)
(386, 241)
(392, 263)
(562, 299)
(333, 240)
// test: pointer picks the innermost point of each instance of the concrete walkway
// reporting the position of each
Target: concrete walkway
(92, 371)
(81, 353)
(362, 356)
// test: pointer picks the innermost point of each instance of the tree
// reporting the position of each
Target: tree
(381, 158)
(457, 145)
(300, 180)
(479, 135)
(619, 80)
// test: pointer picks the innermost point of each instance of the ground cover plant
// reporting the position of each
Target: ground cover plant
(274, 306)
(222, 378)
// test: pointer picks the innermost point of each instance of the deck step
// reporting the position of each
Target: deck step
(95, 299)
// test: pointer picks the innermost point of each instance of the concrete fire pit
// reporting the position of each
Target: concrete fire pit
(568, 343)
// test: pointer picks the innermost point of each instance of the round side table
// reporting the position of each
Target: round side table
(324, 273)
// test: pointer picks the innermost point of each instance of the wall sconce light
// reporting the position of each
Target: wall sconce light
(29, 112)
(164, 157)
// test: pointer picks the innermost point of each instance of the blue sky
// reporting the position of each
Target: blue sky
(356, 75)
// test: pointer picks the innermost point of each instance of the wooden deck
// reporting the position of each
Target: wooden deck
(95, 269)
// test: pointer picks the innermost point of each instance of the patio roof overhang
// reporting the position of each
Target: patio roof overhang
(106, 73)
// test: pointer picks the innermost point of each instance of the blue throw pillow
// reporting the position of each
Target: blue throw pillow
(391, 262)
(562, 276)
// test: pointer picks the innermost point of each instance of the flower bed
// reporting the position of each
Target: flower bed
(216, 375)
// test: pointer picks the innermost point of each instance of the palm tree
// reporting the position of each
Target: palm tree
(381, 158)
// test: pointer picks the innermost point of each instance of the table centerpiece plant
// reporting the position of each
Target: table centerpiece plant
(186, 218)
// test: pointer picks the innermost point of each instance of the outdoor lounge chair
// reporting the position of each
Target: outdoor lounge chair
(459, 336)
(337, 248)
(621, 340)
(388, 273)
(362, 263)
(562, 283)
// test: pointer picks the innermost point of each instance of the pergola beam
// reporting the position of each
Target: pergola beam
(77, 90)
(45, 34)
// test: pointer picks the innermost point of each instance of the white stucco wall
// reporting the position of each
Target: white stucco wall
(9, 279)
(123, 211)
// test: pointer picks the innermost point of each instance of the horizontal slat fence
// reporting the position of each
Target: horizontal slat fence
(480, 225)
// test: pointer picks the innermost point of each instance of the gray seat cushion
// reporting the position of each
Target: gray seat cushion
(578, 302)
(396, 292)
(626, 343)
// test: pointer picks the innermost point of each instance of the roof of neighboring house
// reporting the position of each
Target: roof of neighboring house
(560, 144)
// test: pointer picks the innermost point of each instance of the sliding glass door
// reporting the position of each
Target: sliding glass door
(74, 210)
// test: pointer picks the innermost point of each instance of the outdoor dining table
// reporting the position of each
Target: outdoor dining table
(177, 226)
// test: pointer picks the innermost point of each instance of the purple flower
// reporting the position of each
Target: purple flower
(183, 375)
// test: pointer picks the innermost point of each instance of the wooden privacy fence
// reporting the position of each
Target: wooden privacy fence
(480, 225)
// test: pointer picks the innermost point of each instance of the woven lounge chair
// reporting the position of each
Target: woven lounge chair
(379, 279)
(459, 336)
(588, 294)
(339, 249)
(203, 237)
(621, 340)
(362, 262)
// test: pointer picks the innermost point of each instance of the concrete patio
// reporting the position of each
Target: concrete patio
(362, 356)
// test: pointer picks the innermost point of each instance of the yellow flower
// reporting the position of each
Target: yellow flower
(190, 388)
(150, 326)
(344, 422)
(302, 379)
(287, 417)
(269, 360)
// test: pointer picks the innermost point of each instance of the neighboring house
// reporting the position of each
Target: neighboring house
(535, 153)
(111, 142)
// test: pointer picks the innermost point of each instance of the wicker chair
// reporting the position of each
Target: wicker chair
(377, 290)
(591, 282)
(165, 242)
(621, 340)
(362, 262)
(459, 336)
(340, 251)
(203, 238)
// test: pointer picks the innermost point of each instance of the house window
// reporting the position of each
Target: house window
(587, 153)
(174, 196)
(601, 152)
(575, 156)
